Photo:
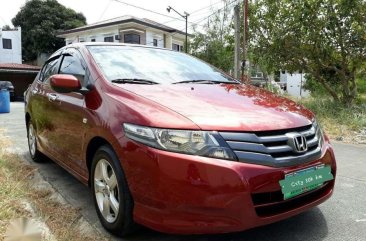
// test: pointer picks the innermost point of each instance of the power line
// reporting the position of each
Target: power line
(200, 20)
(106, 8)
(211, 5)
(148, 10)
(206, 17)
(162, 14)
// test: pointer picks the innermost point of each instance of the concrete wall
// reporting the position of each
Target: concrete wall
(178, 42)
(295, 83)
(151, 35)
(13, 55)
(97, 34)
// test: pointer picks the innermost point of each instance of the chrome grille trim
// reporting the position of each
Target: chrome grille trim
(272, 150)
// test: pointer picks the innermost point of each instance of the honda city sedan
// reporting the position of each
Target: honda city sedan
(167, 141)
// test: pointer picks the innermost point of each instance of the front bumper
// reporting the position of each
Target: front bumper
(177, 193)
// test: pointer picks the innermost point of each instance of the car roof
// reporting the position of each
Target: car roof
(86, 44)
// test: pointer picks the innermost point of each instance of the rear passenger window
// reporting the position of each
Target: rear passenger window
(49, 69)
(72, 65)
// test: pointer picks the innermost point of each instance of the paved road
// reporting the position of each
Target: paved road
(343, 217)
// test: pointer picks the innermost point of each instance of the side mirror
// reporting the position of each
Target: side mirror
(65, 83)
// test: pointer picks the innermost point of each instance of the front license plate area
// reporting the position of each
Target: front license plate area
(296, 183)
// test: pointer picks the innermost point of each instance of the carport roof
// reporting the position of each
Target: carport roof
(19, 68)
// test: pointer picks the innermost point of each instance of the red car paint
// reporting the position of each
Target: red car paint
(173, 192)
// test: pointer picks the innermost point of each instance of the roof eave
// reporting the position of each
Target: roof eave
(19, 71)
(81, 29)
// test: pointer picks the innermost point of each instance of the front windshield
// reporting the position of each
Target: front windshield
(158, 65)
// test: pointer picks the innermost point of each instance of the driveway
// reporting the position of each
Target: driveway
(343, 217)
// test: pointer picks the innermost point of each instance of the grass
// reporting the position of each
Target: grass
(12, 191)
(339, 122)
(17, 185)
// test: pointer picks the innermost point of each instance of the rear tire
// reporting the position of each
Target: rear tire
(32, 143)
(112, 198)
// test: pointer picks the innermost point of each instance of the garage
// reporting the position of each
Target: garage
(20, 75)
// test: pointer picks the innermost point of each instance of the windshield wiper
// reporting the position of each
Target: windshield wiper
(134, 81)
(204, 82)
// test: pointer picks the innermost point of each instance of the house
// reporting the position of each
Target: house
(11, 67)
(11, 45)
(127, 29)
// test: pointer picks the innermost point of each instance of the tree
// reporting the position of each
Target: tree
(215, 44)
(40, 21)
(324, 38)
(6, 27)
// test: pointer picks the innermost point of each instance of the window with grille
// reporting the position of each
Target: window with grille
(131, 38)
(7, 43)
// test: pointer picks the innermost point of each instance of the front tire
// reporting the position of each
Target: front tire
(112, 198)
(32, 143)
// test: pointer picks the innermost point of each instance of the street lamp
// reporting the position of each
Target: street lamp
(185, 16)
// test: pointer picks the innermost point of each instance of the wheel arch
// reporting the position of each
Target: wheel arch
(91, 149)
(27, 118)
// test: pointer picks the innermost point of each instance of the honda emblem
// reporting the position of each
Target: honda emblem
(297, 141)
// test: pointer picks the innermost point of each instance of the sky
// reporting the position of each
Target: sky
(97, 10)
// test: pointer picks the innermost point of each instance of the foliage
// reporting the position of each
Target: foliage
(6, 27)
(361, 80)
(324, 38)
(40, 21)
(215, 43)
(315, 88)
(338, 122)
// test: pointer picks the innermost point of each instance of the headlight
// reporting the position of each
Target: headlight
(202, 143)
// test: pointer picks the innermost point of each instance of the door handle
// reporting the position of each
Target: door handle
(52, 97)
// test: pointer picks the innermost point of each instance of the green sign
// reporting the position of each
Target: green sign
(304, 180)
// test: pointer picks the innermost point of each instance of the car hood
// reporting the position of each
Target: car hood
(230, 107)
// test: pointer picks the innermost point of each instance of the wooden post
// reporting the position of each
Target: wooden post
(237, 43)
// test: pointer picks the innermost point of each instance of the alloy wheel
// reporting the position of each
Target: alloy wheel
(32, 140)
(106, 190)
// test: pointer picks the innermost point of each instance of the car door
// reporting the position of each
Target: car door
(67, 114)
(39, 104)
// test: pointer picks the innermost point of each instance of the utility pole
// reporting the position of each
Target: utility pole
(245, 36)
(185, 16)
(237, 42)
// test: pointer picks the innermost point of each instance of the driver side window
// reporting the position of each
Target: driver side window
(71, 64)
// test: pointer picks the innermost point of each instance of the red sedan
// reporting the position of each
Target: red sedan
(170, 142)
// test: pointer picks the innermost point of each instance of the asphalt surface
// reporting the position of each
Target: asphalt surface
(343, 217)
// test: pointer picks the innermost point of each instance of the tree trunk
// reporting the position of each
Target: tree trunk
(331, 91)
(349, 90)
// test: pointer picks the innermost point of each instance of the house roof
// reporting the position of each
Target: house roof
(19, 68)
(120, 20)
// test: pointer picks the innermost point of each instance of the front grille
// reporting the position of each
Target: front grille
(272, 148)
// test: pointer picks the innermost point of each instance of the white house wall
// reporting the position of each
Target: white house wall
(87, 36)
(150, 36)
(13, 55)
(295, 83)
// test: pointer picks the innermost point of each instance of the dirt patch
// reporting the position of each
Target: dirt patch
(23, 193)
